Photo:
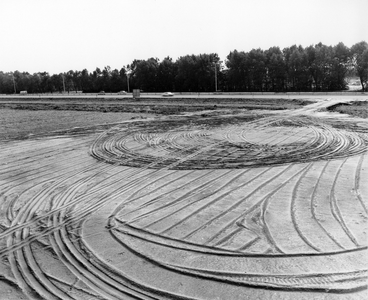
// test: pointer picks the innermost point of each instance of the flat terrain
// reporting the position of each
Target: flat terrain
(161, 106)
(24, 123)
(355, 108)
(226, 199)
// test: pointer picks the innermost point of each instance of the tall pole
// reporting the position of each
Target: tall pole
(15, 91)
(215, 63)
(128, 81)
(63, 83)
(215, 77)
(128, 72)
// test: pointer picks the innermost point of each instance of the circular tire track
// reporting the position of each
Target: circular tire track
(250, 144)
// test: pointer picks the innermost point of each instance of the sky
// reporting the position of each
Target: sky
(56, 36)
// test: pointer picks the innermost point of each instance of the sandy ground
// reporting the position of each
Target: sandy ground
(253, 206)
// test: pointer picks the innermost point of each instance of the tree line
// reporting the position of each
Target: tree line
(314, 68)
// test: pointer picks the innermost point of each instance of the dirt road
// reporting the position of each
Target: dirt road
(258, 205)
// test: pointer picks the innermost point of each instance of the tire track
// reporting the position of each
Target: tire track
(192, 193)
(327, 143)
(357, 182)
(28, 268)
(212, 240)
(336, 210)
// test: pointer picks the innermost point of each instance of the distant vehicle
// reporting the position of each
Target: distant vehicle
(167, 94)
(23, 92)
(122, 93)
(101, 93)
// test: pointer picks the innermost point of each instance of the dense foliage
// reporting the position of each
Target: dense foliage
(314, 68)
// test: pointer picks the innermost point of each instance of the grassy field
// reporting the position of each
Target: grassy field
(22, 118)
(20, 124)
(356, 109)
(149, 105)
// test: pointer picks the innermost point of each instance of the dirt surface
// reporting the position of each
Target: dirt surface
(218, 204)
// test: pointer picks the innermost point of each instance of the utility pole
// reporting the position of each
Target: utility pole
(128, 72)
(15, 90)
(219, 62)
(128, 81)
(63, 82)
(215, 77)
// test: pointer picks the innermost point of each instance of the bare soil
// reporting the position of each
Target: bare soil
(224, 203)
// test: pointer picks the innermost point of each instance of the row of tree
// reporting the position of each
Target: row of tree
(314, 68)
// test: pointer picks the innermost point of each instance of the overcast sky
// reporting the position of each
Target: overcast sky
(61, 35)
